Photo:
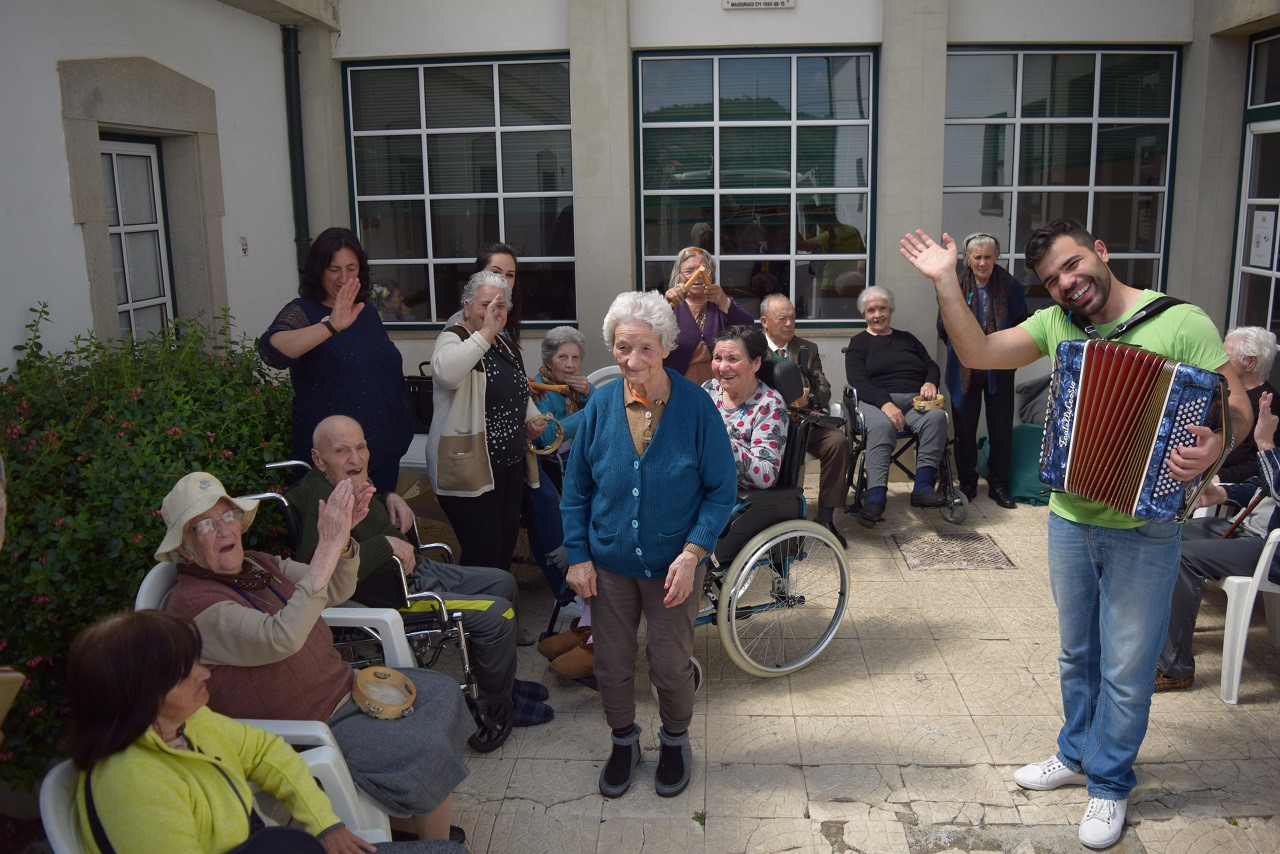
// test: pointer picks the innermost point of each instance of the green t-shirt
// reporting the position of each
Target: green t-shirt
(1183, 332)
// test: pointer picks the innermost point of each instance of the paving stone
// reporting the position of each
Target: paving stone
(1181, 835)
(755, 791)
(890, 623)
(1018, 739)
(918, 694)
(516, 831)
(976, 784)
(650, 835)
(903, 655)
(555, 788)
(842, 792)
(1003, 694)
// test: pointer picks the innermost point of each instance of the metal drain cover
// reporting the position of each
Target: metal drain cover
(952, 551)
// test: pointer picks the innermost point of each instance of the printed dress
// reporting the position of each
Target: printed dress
(757, 433)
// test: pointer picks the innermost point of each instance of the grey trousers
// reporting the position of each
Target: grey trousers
(930, 427)
(486, 597)
(1204, 556)
(615, 620)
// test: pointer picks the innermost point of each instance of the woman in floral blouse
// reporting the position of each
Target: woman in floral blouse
(754, 414)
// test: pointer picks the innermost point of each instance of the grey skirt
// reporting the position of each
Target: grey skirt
(409, 765)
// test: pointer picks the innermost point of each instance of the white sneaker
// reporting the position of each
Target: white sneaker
(1103, 822)
(1049, 774)
(572, 609)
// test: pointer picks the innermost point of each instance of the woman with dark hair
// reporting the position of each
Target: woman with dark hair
(501, 259)
(159, 771)
(339, 357)
(753, 413)
(702, 310)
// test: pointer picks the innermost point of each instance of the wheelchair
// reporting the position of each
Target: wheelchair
(428, 631)
(777, 585)
(957, 507)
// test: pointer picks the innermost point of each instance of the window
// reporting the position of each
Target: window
(135, 229)
(1038, 135)
(448, 157)
(764, 160)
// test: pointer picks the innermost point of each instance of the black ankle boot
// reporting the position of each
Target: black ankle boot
(615, 776)
(674, 760)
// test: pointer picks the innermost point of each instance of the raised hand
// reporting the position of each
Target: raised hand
(1264, 429)
(928, 257)
(335, 523)
(363, 495)
(345, 308)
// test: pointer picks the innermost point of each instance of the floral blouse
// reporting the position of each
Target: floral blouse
(757, 434)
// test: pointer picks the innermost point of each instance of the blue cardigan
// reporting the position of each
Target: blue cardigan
(632, 515)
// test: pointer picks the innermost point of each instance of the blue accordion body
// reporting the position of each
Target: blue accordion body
(1195, 396)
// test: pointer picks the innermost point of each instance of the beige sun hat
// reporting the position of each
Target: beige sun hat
(193, 495)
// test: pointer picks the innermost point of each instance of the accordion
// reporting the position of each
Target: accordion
(1115, 414)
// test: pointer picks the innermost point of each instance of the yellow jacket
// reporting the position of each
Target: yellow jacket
(151, 797)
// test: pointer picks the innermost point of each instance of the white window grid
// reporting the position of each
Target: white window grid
(114, 148)
(427, 197)
(1253, 57)
(1244, 232)
(715, 191)
(1013, 253)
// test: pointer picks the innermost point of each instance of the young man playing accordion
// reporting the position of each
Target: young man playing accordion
(1111, 574)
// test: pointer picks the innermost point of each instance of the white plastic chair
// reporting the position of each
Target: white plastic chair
(1242, 591)
(58, 809)
(604, 375)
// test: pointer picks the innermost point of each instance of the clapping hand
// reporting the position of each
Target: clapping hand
(1264, 428)
(928, 257)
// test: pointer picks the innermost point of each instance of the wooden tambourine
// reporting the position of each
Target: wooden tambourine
(383, 693)
(550, 449)
(919, 404)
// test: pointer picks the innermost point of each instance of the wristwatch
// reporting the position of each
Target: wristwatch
(333, 330)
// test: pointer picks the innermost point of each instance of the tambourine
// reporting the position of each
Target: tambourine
(383, 693)
(550, 449)
(919, 404)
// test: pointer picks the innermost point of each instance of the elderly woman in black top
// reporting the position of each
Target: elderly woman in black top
(889, 367)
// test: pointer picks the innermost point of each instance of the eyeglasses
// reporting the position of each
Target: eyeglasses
(205, 527)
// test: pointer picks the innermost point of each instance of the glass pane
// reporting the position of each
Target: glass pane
(468, 163)
(405, 298)
(1255, 300)
(534, 93)
(1059, 84)
(1035, 209)
(142, 249)
(755, 157)
(385, 99)
(1136, 84)
(677, 158)
(1264, 172)
(459, 96)
(148, 321)
(676, 90)
(1055, 154)
(755, 225)
(109, 191)
(459, 227)
(818, 294)
(977, 155)
(1265, 86)
(1129, 222)
(1259, 237)
(670, 223)
(748, 282)
(538, 161)
(752, 89)
(832, 224)
(126, 326)
(1132, 154)
(833, 87)
(539, 227)
(967, 213)
(1136, 272)
(835, 156)
(117, 270)
(394, 229)
(547, 291)
(981, 86)
(1037, 296)
(388, 165)
(137, 193)
(450, 280)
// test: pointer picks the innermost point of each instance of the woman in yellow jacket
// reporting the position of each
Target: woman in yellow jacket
(159, 770)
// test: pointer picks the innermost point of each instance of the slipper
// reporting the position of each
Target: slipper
(525, 638)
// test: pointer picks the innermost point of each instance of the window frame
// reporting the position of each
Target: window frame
(430, 261)
(715, 191)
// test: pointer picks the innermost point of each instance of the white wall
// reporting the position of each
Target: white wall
(232, 52)
(372, 29)
(706, 23)
(1059, 22)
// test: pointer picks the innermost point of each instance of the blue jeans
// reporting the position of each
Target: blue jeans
(1113, 589)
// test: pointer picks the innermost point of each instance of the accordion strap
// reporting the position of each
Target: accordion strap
(1147, 312)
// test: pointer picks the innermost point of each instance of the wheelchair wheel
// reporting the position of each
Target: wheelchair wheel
(494, 719)
(782, 598)
(697, 678)
(956, 510)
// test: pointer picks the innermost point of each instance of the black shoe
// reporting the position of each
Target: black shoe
(1001, 496)
(870, 514)
(928, 497)
(615, 776)
(830, 525)
(457, 834)
(672, 776)
(970, 491)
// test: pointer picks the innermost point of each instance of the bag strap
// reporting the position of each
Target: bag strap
(1148, 311)
(95, 824)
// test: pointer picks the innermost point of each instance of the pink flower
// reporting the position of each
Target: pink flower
(36, 711)
(42, 558)
(35, 661)
(157, 512)
(41, 600)
(226, 454)
(137, 538)
(58, 523)
(174, 431)
(6, 756)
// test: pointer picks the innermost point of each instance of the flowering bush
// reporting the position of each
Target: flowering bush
(94, 438)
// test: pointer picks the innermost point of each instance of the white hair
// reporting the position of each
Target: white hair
(1256, 342)
(874, 292)
(485, 279)
(648, 308)
(771, 300)
(558, 337)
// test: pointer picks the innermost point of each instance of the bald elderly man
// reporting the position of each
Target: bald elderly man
(484, 595)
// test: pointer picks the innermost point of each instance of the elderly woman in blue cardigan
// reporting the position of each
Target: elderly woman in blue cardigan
(650, 485)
